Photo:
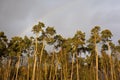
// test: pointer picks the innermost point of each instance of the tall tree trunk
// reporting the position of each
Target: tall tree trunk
(66, 69)
(35, 60)
(34, 68)
(28, 69)
(61, 71)
(9, 69)
(17, 67)
(72, 67)
(56, 67)
(45, 69)
(77, 65)
(105, 74)
(41, 53)
(111, 64)
(51, 67)
(96, 52)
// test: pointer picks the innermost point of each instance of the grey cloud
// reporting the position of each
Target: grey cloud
(16, 15)
(67, 16)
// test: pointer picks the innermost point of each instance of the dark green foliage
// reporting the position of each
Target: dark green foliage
(3, 44)
(37, 28)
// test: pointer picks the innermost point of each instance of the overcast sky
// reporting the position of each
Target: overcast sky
(17, 17)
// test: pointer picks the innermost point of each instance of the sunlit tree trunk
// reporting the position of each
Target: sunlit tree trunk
(45, 69)
(77, 65)
(111, 63)
(17, 67)
(96, 52)
(35, 60)
(28, 69)
(66, 65)
(51, 67)
(41, 53)
(9, 69)
(105, 74)
(56, 67)
(33, 74)
(72, 67)
(61, 71)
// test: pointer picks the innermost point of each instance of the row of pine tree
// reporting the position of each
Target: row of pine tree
(73, 58)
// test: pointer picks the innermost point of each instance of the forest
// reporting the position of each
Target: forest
(72, 58)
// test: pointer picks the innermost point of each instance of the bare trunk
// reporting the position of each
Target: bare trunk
(61, 75)
(28, 70)
(105, 74)
(96, 51)
(42, 52)
(77, 65)
(56, 67)
(66, 70)
(9, 69)
(45, 71)
(96, 65)
(51, 67)
(61, 66)
(33, 74)
(41, 56)
(35, 60)
(111, 64)
(17, 67)
(72, 68)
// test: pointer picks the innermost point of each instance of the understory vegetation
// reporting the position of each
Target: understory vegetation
(73, 58)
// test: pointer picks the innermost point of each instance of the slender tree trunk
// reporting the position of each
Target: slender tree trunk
(41, 57)
(56, 67)
(34, 68)
(9, 69)
(61, 75)
(64, 65)
(42, 52)
(28, 69)
(35, 60)
(91, 72)
(72, 68)
(105, 74)
(111, 64)
(77, 65)
(55, 76)
(37, 71)
(51, 67)
(111, 68)
(96, 66)
(61, 65)
(66, 70)
(45, 68)
(96, 51)
(17, 67)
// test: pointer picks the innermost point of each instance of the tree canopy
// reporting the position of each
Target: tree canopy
(66, 61)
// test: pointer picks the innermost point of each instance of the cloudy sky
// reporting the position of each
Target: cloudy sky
(17, 17)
